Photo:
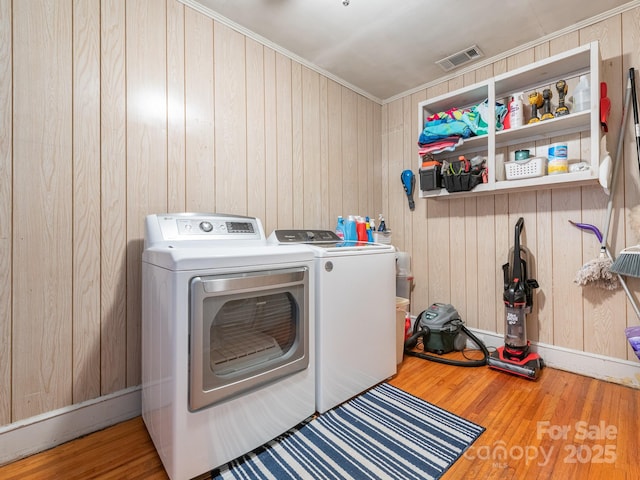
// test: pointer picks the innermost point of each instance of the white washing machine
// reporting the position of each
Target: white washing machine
(228, 358)
(355, 313)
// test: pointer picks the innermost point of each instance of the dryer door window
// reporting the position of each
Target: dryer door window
(246, 329)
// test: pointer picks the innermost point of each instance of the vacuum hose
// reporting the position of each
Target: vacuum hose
(424, 332)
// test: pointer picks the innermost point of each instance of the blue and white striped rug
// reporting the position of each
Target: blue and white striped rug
(385, 433)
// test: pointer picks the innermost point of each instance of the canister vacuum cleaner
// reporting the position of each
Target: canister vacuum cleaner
(516, 357)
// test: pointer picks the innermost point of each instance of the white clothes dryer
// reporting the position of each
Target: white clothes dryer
(355, 313)
(228, 358)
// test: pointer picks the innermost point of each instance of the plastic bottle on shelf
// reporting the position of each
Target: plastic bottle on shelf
(361, 229)
(506, 122)
(582, 95)
(369, 232)
(350, 232)
(340, 227)
(516, 111)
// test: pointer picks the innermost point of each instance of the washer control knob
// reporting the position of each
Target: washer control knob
(206, 226)
(310, 235)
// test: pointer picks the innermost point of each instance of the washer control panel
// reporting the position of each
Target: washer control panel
(306, 236)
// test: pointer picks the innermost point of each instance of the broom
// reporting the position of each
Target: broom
(597, 271)
(628, 262)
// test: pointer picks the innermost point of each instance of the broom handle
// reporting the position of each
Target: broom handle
(634, 101)
(616, 163)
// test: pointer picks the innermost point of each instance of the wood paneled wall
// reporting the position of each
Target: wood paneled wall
(458, 245)
(113, 109)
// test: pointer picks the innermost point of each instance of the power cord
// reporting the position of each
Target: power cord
(422, 334)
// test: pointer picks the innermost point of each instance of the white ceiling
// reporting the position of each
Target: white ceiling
(384, 48)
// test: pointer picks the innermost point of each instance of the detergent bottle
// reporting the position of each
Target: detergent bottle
(369, 228)
(350, 231)
(361, 229)
(340, 227)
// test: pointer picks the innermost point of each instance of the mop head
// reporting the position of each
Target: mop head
(598, 274)
(628, 262)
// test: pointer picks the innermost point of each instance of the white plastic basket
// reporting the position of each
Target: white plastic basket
(533, 167)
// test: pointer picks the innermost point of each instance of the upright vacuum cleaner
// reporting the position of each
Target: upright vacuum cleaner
(515, 357)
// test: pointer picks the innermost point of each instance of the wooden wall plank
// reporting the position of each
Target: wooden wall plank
(567, 304)
(256, 120)
(199, 113)
(297, 159)
(6, 194)
(503, 240)
(271, 140)
(364, 161)
(489, 271)
(42, 232)
(311, 168)
(113, 197)
(458, 255)
(472, 254)
(540, 327)
(326, 217)
(176, 135)
(396, 198)
(349, 176)
(146, 149)
(86, 204)
(384, 168)
(378, 184)
(370, 157)
(334, 115)
(284, 144)
(230, 132)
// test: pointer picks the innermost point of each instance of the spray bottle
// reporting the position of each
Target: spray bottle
(382, 227)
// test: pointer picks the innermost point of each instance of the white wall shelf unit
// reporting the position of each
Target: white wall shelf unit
(581, 130)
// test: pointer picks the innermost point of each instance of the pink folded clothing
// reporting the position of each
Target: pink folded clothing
(445, 144)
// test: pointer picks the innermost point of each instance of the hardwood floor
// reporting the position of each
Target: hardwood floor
(563, 426)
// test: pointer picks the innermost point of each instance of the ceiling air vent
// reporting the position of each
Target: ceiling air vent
(457, 59)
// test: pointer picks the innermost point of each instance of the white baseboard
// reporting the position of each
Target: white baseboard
(39, 433)
(592, 365)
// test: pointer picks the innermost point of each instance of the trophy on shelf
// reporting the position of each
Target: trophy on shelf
(562, 109)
